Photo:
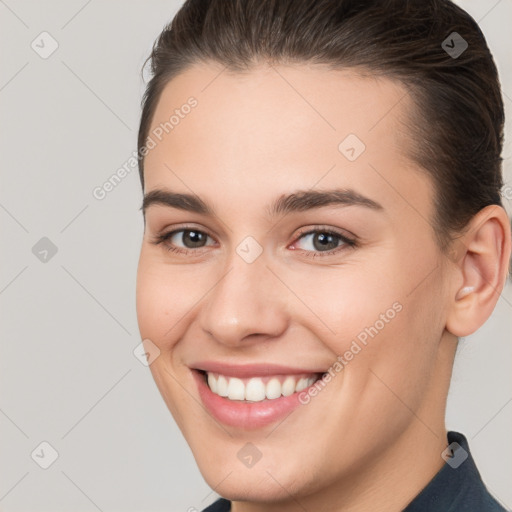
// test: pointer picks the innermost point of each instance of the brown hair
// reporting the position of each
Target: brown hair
(457, 126)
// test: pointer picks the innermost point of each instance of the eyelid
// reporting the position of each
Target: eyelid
(343, 233)
(182, 227)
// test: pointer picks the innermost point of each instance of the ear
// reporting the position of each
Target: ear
(481, 257)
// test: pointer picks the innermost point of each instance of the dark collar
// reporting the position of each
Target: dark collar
(457, 486)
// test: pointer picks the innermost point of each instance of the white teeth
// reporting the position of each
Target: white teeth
(254, 389)
(288, 387)
(236, 389)
(302, 384)
(212, 382)
(273, 389)
(222, 386)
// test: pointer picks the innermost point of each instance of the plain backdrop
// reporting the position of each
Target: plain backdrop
(68, 375)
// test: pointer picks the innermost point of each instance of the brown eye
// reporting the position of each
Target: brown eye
(323, 241)
(183, 240)
(192, 238)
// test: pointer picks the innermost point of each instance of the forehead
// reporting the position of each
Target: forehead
(276, 127)
(272, 105)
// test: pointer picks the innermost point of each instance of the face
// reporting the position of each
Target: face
(301, 278)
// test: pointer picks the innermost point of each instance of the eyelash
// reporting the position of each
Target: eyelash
(348, 243)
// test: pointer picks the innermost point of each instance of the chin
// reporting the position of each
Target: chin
(264, 483)
(258, 488)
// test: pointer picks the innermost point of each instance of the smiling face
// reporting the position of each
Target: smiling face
(343, 277)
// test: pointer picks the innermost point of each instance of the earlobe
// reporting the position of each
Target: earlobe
(483, 267)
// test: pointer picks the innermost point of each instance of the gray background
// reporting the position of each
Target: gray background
(68, 375)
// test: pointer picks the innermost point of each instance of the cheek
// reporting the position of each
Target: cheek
(402, 354)
(348, 304)
(163, 300)
(164, 297)
(375, 316)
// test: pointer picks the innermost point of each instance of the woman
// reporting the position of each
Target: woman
(323, 221)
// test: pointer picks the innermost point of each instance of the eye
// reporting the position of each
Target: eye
(323, 242)
(190, 239)
(316, 242)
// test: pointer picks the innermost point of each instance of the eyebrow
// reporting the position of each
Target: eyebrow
(299, 201)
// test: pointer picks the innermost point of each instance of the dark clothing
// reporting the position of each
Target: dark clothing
(457, 487)
(221, 505)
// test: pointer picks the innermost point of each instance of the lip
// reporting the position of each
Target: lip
(241, 414)
(250, 370)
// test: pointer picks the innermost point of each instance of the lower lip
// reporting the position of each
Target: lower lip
(245, 415)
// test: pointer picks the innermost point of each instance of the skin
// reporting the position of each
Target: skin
(375, 434)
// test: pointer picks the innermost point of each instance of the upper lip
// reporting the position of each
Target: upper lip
(250, 370)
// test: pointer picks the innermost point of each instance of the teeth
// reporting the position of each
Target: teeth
(212, 382)
(256, 389)
(288, 387)
(302, 384)
(273, 389)
(236, 389)
(222, 386)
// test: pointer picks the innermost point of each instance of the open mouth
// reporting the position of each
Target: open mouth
(258, 389)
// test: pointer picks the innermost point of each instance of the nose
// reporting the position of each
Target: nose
(247, 304)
